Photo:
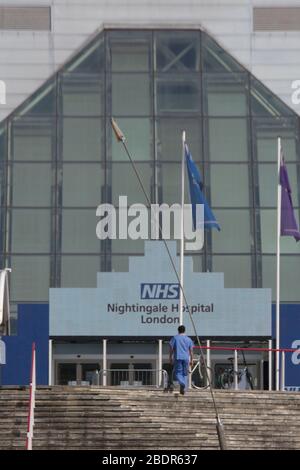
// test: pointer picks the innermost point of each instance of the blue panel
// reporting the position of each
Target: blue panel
(33, 326)
(289, 338)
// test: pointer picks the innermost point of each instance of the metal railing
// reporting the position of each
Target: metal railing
(233, 375)
(30, 420)
(132, 377)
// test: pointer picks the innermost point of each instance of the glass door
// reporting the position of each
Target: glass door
(67, 373)
(88, 373)
(77, 373)
(133, 374)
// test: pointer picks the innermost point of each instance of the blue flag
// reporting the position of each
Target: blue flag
(196, 194)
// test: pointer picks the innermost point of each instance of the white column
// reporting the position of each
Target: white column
(270, 365)
(50, 342)
(159, 374)
(182, 233)
(278, 263)
(282, 381)
(236, 384)
(208, 362)
(104, 363)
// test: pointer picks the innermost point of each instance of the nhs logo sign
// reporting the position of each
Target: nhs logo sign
(159, 291)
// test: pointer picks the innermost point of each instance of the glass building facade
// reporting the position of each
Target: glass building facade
(59, 160)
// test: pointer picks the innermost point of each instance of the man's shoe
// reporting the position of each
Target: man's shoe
(181, 391)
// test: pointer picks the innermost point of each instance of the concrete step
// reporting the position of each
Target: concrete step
(111, 418)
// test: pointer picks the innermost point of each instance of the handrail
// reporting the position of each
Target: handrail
(247, 349)
(162, 374)
(30, 420)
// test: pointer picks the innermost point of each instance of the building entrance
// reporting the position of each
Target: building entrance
(76, 373)
(131, 374)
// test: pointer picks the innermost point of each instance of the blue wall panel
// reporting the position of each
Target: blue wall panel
(289, 338)
(33, 326)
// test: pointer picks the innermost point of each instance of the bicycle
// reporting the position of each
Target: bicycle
(226, 378)
(244, 377)
(199, 374)
(248, 374)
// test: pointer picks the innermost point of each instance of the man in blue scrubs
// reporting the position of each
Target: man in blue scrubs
(181, 355)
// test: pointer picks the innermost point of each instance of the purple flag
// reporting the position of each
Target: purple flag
(289, 225)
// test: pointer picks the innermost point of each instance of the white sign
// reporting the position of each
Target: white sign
(145, 302)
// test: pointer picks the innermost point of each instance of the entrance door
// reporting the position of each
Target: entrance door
(136, 374)
(76, 373)
(88, 372)
(67, 373)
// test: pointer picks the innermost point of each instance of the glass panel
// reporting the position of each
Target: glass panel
(82, 184)
(79, 231)
(119, 263)
(66, 373)
(197, 263)
(236, 269)
(289, 275)
(138, 132)
(177, 51)
(13, 319)
(128, 246)
(225, 95)
(88, 372)
(178, 94)
(33, 139)
(82, 139)
(2, 189)
(125, 183)
(30, 230)
(266, 132)
(169, 179)
(30, 278)
(31, 184)
(2, 144)
(227, 140)
(229, 185)
(216, 59)
(129, 50)
(268, 221)
(265, 103)
(82, 95)
(235, 234)
(268, 182)
(3, 158)
(43, 102)
(169, 138)
(130, 94)
(90, 60)
(79, 271)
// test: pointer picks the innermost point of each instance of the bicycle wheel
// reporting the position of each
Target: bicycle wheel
(198, 378)
(226, 380)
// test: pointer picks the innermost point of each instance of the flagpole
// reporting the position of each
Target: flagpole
(278, 263)
(182, 232)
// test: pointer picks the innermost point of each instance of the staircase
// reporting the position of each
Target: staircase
(114, 418)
